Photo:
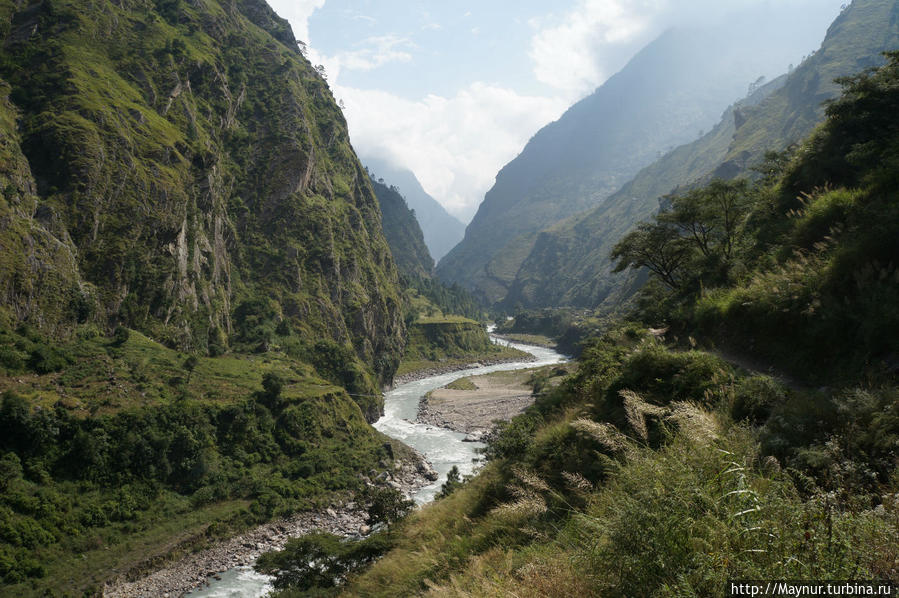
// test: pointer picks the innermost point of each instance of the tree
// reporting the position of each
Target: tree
(657, 246)
(190, 364)
(320, 560)
(453, 483)
(272, 385)
(385, 504)
(710, 216)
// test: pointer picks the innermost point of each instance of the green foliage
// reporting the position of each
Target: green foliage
(450, 299)
(163, 203)
(755, 398)
(453, 482)
(320, 560)
(402, 232)
(385, 504)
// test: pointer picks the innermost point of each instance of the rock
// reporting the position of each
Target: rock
(425, 469)
(364, 530)
(331, 513)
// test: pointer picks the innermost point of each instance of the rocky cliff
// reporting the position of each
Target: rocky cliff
(180, 168)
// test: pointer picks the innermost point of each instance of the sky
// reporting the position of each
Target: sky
(453, 90)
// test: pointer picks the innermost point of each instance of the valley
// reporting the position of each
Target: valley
(336, 298)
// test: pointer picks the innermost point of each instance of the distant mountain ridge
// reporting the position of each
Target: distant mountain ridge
(569, 264)
(668, 93)
(441, 229)
(402, 232)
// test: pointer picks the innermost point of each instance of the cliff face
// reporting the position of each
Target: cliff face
(190, 176)
(440, 229)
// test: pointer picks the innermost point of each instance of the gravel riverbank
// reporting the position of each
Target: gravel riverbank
(496, 396)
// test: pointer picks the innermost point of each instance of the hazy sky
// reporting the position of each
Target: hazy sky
(453, 90)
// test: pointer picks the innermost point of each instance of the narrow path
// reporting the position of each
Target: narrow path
(757, 366)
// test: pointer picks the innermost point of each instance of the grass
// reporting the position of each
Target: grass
(462, 384)
(673, 498)
(106, 377)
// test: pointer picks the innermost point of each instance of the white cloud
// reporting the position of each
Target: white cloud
(381, 50)
(455, 145)
(577, 51)
(590, 42)
(298, 13)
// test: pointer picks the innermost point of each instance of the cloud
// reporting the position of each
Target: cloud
(381, 50)
(577, 51)
(455, 145)
(298, 13)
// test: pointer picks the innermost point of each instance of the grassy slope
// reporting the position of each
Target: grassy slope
(198, 163)
(403, 233)
(671, 496)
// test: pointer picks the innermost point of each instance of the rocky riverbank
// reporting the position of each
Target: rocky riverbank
(346, 519)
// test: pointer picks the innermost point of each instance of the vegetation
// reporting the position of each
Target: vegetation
(118, 451)
(441, 342)
(183, 171)
(633, 474)
(663, 467)
(402, 232)
(806, 254)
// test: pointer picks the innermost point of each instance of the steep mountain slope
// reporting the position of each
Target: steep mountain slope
(192, 178)
(675, 87)
(441, 230)
(403, 234)
(569, 264)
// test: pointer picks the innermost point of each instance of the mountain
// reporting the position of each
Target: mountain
(441, 230)
(671, 90)
(402, 232)
(569, 264)
(181, 169)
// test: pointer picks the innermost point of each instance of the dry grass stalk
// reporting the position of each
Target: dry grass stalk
(636, 409)
(603, 433)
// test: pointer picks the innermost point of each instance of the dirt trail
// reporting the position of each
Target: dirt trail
(757, 366)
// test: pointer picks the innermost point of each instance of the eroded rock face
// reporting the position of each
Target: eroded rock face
(182, 178)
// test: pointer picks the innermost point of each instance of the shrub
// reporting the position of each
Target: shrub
(755, 397)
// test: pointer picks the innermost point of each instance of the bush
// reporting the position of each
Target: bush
(755, 397)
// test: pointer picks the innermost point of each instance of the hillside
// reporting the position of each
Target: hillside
(401, 229)
(670, 91)
(665, 467)
(569, 263)
(198, 307)
(441, 230)
(184, 171)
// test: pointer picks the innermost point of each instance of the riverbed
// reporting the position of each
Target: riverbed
(441, 447)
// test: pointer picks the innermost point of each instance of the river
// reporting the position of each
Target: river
(441, 447)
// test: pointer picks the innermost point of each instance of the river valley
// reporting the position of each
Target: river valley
(443, 448)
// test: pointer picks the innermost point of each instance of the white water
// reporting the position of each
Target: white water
(441, 447)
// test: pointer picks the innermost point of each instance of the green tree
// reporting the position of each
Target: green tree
(190, 364)
(656, 246)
